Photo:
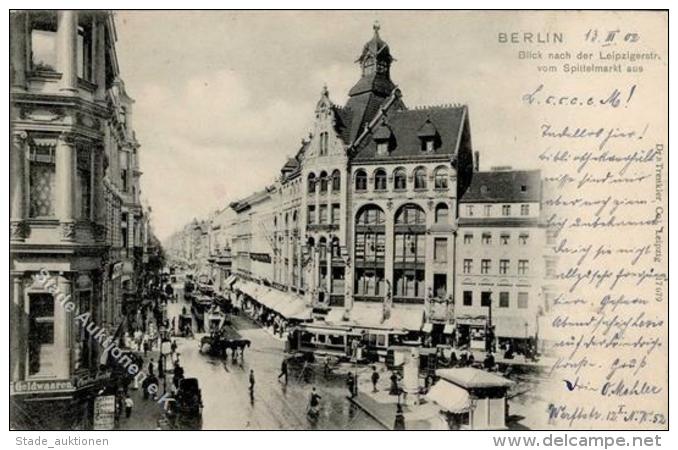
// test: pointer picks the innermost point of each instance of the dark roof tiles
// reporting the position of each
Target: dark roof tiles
(504, 186)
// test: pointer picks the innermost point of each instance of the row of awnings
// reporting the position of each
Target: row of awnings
(372, 316)
(287, 305)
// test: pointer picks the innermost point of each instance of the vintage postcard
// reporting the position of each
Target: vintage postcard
(338, 220)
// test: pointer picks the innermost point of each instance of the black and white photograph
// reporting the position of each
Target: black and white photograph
(338, 220)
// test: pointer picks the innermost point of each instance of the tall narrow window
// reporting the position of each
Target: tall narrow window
(311, 183)
(370, 246)
(468, 298)
(469, 210)
(525, 210)
(441, 178)
(468, 238)
(42, 172)
(322, 214)
(311, 214)
(336, 181)
(124, 170)
(43, 41)
(336, 208)
(440, 250)
(487, 238)
(323, 143)
(468, 266)
(84, 193)
(523, 238)
(503, 266)
(410, 254)
(503, 299)
(84, 49)
(323, 182)
(360, 180)
(400, 180)
(506, 210)
(420, 178)
(380, 180)
(41, 350)
(488, 210)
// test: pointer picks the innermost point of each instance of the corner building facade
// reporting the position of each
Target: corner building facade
(362, 225)
(75, 213)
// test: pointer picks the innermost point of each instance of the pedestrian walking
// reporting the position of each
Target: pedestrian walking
(375, 378)
(350, 383)
(283, 370)
(252, 381)
(129, 404)
(145, 344)
(151, 367)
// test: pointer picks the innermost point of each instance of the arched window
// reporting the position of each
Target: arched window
(336, 181)
(420, 178)
(441, 178)
(400, 179)
(411, 214)
(360, 180)
(442, 213)
(370, 246)
(380, 180)
(311, 182)
(323, 181)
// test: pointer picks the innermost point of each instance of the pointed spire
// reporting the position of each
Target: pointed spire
(376, 27)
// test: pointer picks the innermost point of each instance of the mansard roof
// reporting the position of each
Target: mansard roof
(504, 186)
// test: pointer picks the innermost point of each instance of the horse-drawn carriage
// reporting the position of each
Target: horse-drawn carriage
(219, 342)
(184, 412)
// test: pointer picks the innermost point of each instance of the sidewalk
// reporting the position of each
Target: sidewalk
(146, 414)
(382, 406)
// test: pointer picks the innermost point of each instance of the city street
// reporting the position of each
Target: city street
(225, 394)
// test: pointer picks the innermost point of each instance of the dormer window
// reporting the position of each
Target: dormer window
(383, 137)
(429, 137)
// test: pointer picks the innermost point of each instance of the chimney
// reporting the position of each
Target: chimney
(476, 161)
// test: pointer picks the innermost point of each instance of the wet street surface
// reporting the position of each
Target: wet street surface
(274, 405)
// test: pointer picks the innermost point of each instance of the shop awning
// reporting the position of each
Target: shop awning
(366, 316)
(427, 328)
(336, 316)
(450, 397)
(409, 319)
(515, 327)
(248, 288)
(449, 328)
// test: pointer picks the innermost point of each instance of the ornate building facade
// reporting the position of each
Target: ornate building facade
(362, 222)
(75, 215)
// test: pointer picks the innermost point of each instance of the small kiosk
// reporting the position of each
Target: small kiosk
(472, 399)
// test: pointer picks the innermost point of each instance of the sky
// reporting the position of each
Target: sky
(224, 98)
